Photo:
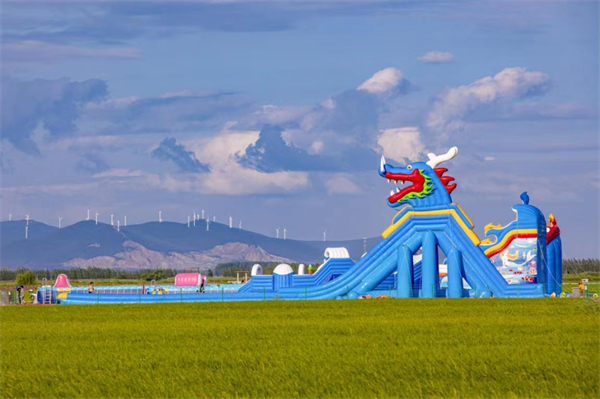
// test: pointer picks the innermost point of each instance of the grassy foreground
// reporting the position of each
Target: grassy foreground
(471, 348)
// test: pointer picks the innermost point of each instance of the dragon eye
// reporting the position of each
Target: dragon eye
(409, 167)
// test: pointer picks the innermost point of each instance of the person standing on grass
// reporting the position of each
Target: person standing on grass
(581, 286)
(20, 294)
(91, 288)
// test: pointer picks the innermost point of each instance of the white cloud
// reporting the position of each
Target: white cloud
(340, 183)
(329, 103)
(103, 142)
(402, 142)
(316, 147)
(229, 177)
(118, 173)
(275, 114)
(436, 57)
(35, 53)
(382, 81)
(489, 158)
(111, 103)
(219, 151)
(451, 107)
(184, 93)
(247, 181)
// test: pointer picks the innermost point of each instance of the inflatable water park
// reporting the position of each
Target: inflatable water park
(428, 251)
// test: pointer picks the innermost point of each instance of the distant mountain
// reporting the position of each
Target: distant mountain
(151, 245)
(12, 231)
(80, 240)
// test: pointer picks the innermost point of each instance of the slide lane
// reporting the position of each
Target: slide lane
(366, 265)
(332, 266)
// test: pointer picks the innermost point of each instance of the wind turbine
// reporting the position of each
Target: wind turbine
(324, 235)
(159, 216)
(202, 213)
(26, 231)
(88, 215)
(112, 221)
(214, 218)
(240, 227)
(118, 225)
(230, 222)
(195, 219)
(284, 233)
(10, 216)
(27, 218)
(59, 224)
(188, 224)
(207, 224)
(125, 221)
(277, 229)
(97, 214)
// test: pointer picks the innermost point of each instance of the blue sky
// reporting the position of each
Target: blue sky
(276, 113)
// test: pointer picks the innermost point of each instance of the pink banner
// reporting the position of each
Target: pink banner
(187, 279)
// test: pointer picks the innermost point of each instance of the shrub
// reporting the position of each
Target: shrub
(26, 278)
(157, 274)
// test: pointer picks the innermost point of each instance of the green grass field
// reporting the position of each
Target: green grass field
(541, 348)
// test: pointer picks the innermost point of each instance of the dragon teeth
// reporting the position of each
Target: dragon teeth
(396, 182)
(397, 190)
(389, 180)
(391, 192)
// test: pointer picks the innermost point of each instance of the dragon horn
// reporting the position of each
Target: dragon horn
(381, 167)
(435, 160)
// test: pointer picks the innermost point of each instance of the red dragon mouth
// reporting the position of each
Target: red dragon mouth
(415, 178)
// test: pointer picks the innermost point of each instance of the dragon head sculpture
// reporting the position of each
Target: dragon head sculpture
(429, 185)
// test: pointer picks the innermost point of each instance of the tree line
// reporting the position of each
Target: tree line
(577, 266)
(229, 269)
